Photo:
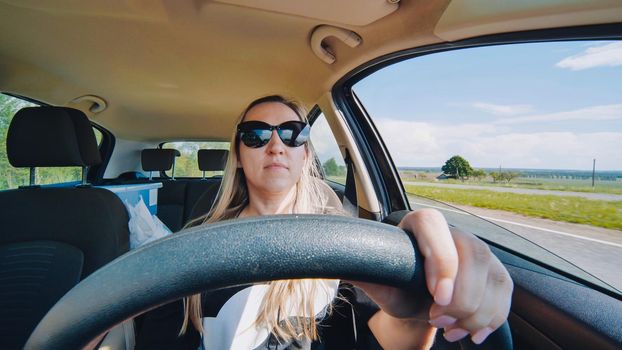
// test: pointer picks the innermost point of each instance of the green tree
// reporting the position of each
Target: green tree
(9, 176)
(478, 174)
(496, 176)
(457, 167)
(330, 167)
(509, 176)
(503, 176)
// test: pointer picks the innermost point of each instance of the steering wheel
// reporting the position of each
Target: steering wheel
(231, 253)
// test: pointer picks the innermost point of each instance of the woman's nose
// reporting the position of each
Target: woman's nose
(276, 145)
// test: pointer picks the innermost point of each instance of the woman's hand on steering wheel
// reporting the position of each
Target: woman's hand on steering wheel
(470, 287)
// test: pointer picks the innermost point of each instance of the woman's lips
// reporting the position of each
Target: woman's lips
(276, 166)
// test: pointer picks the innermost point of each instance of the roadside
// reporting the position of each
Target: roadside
(606, 214)
(592, 249)
(587, 195)
(512, 220)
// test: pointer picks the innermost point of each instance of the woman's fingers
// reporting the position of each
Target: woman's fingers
(482, 297)
(441, 265)
(490, 314)
(437, 247)
(478, 324)
(495, 305)
(471, 280)
(471, 288)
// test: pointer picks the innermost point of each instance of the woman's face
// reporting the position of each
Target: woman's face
(274, 168)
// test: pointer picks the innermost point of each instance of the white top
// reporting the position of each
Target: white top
(233, 327)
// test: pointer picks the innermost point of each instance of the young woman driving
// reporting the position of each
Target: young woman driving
(270, 171)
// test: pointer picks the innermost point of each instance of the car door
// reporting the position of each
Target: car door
(563, 298)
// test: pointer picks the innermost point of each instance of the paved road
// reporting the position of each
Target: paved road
(588, 195)
(595, 250)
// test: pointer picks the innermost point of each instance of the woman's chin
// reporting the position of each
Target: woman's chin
(277, 185)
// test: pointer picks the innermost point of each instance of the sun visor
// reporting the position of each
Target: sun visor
(348, 12)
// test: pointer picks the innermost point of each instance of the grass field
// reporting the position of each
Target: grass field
(560, 208)
(612, 187)
(337, 179)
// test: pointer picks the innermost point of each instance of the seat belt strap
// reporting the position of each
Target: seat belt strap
(349, 196)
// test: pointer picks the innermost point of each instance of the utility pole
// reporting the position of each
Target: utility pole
(593, 172)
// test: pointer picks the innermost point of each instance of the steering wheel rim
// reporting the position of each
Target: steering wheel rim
(232, 253)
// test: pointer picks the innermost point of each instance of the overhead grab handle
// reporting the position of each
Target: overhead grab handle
(96, 103)
(322, 50)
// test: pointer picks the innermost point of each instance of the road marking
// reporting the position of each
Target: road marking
(524, 225)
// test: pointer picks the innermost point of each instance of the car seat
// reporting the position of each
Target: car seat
(51, 237)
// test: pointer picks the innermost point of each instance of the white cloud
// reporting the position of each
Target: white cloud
(502, 109)
(609, 55)
(488, 145)
(604, 112)
(485, 145)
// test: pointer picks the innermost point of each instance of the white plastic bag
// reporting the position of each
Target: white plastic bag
(143, 226)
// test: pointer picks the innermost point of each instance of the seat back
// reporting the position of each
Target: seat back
(202, 194)
(158, 159)
(212, 159)
(58, 235)
(172, 194)
(51, 269)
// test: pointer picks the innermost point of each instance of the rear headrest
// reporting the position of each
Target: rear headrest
(51, 136)
(158, 159)
(212, 159)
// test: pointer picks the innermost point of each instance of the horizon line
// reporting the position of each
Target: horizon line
(512, 168)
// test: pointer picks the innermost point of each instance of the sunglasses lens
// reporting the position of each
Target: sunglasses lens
(254, 134)
(255, 138)
(294, 133)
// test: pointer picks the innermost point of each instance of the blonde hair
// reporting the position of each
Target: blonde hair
(312, 197)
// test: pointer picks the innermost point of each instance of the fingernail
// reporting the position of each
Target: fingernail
(443, 292)
(481, 335)
(455, 334)
(432, 285)
(442, 321)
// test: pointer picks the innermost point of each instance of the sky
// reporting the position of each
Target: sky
(539, 105)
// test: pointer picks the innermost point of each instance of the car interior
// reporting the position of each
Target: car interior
(146, 73)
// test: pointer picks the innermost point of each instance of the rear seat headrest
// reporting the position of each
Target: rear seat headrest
(158, 159)
(212, 159)
(51, 136)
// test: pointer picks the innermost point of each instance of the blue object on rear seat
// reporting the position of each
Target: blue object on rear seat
(177, 197)
(132, 194)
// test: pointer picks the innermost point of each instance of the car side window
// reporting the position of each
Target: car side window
(98, 136)
(527, 136)
(11, 177)
(327, 150)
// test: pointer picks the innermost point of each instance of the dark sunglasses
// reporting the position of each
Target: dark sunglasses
(256, 134)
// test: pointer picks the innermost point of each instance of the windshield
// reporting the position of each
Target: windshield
(526, 136)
